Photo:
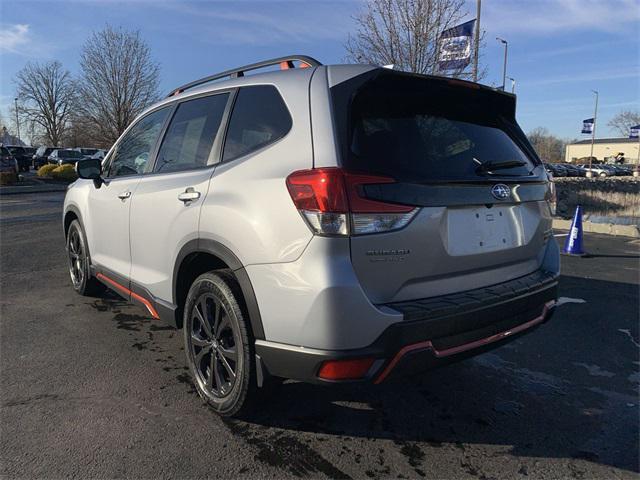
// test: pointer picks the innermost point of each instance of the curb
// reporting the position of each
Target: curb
(632, 231)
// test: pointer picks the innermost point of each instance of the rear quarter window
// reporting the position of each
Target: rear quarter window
(259, 118)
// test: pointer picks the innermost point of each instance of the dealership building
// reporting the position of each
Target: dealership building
(603, 148)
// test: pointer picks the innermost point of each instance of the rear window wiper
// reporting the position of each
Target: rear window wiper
(491, 166)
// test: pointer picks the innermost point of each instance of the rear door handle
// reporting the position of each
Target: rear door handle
(189, 195)
(124, 195)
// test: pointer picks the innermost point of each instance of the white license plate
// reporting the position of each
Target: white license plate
(476, 230)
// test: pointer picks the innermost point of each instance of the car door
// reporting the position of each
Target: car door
(166, 206)
(107, 219)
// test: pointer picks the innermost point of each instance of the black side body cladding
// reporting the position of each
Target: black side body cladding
(227, 256)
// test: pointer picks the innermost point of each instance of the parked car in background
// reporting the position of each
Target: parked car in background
(626, 169)
(556, 169)
(21, 155)
(62, 156)
(574, 170)
(596, 169)
(620, 170)
(99, 155)
(8, 163)
(86, 152)
(41, 157)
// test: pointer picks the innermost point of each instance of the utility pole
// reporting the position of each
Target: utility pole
(15, 100)
(504, 65)
(513, 84)
(593, 131)
(476, 42)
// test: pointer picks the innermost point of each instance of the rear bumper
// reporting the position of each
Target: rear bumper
(433, 331)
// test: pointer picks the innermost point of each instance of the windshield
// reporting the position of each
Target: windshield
(402, 128)
(69, 154)
(16, 149)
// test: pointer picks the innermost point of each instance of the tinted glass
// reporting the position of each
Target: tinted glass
(259, 118)
(69, 154)
(189, 138)
(406, 129)
(134, 149)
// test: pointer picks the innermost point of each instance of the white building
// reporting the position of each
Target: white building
(603, 148)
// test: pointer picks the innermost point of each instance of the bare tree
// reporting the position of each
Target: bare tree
(46, 95)
(549, 147)
(624, 120)
(404, 33)
(119, 80)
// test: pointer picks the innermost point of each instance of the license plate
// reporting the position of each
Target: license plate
(477, 230)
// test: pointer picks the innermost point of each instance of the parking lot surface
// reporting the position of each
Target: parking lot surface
(94, 388)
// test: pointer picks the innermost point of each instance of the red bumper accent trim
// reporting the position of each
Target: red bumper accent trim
(133, 295)
(464, 347)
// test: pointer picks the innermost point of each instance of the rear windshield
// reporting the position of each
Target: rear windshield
(69, 154)
(403, 129)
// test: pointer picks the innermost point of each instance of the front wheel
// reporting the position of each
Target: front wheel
(78, 261)
(218, 343)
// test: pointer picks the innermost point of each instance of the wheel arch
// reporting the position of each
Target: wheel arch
(70, 215)
(202, 255)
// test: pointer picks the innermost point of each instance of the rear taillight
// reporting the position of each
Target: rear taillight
(331, 201)
(552, 195)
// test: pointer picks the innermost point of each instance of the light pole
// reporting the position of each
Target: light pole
(476, 42)
(15, 100)
(593, 133)
(504, 66)
(513, 84)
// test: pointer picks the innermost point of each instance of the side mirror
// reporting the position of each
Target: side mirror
(90, 169)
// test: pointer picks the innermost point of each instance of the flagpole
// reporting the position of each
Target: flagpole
(477, 41)
(593, 130)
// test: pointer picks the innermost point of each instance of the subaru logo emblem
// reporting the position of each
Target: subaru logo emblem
(501, 191)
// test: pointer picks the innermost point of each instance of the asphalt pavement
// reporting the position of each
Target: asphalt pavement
(94, 388)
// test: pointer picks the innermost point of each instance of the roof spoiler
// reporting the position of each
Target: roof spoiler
(284, 62)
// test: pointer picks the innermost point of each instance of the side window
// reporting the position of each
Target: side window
(191, 133)
(259, 118)
(133, 150)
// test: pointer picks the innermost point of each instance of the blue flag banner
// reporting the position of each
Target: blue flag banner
(587, 126)
(634, 132)
(455, 46)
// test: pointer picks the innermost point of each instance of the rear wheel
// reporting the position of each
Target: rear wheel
(218, 343)
(78, 261)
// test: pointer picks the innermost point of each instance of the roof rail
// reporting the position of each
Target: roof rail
(284, 62)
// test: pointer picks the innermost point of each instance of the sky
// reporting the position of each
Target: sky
(559, 50)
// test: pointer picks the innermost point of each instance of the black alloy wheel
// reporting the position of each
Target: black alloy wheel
(213, 346)
(77, 258)
(218, 343)
(78, 262)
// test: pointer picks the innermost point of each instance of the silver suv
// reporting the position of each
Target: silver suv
(328, 224)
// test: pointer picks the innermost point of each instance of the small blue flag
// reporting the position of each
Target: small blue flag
(455, 46)
(587, 125)
(634, 132)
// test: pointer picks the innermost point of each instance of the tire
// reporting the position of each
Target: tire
(78, 260)
(219, 344)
